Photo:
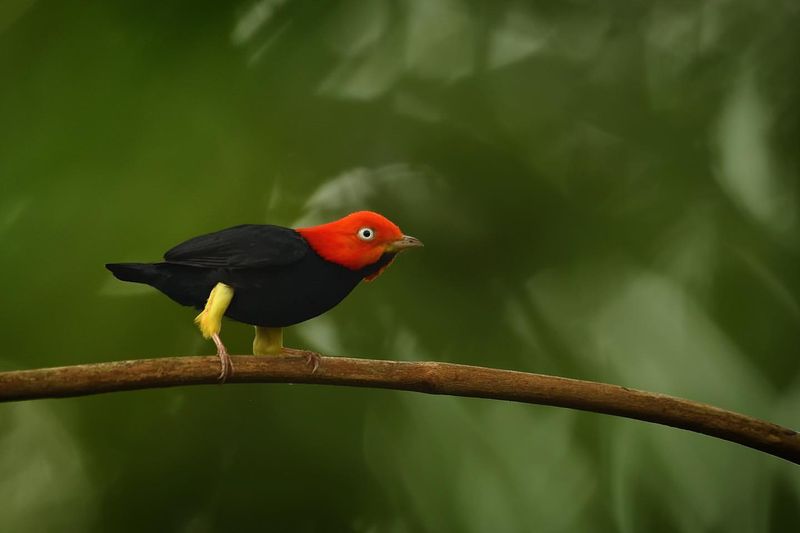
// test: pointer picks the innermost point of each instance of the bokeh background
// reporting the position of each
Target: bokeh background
(606, 191)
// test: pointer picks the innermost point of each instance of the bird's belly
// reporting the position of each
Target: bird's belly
(283, 297)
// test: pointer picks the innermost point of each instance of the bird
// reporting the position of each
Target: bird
(269, 276)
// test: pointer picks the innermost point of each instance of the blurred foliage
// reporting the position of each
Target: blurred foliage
(606, 191)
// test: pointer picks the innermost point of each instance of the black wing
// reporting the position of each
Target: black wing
(245, 246)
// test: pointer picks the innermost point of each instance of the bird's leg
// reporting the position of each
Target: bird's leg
(268, 341)
(210, 322)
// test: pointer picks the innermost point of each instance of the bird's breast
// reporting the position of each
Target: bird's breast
(284, 295)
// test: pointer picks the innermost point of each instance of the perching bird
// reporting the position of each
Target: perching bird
(269, 276)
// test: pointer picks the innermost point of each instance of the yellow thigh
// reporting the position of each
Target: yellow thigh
(210, 319)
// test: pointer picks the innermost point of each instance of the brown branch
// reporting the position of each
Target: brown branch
(432, 378)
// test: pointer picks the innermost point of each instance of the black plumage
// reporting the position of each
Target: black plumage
(277, 278)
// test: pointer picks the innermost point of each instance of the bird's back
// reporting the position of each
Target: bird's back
(270, 289)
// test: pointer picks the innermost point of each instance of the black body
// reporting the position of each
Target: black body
(277, 278)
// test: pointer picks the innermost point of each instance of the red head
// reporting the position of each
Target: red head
(357, 240)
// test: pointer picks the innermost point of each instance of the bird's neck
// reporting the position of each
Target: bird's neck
(372, 271)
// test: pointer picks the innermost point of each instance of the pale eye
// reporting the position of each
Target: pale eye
(366, 234)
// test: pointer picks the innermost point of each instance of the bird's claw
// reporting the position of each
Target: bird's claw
(224, 360)
(313, 360)
(226, 366)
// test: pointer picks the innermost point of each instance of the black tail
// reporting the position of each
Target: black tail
(136, 272)
(185, 284)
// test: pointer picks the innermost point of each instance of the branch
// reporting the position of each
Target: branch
(431, 378)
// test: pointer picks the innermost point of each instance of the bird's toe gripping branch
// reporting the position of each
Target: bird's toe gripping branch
(210, 323)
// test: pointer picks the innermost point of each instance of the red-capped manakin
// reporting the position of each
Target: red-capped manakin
(270, 276)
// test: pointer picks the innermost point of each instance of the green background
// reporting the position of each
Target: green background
(606, 191)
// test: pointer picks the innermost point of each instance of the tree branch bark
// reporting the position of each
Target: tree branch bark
(431, 378)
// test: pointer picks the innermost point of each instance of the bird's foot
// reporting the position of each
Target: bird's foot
(313, 359)
(224, 360)
(226, 367)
